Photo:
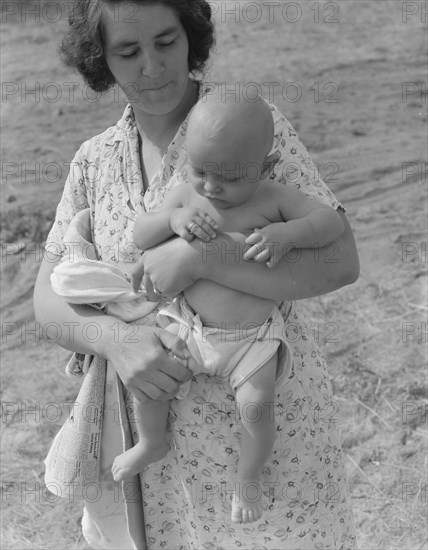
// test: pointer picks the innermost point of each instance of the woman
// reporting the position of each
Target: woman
(151, 49)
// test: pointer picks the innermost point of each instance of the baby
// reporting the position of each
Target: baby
(228, 190)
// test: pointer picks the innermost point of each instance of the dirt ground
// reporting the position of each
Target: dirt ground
(351, 77)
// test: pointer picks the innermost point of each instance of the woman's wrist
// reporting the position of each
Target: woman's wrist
(111, 331)
(202, 256)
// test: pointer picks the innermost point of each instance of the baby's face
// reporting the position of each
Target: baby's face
(224, 173)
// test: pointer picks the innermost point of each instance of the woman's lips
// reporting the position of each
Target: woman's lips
(156, 89)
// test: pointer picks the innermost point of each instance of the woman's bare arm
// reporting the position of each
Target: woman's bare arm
(138, 353)
(304, 273)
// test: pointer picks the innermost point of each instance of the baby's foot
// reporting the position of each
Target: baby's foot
(133, 461)
(246, 502)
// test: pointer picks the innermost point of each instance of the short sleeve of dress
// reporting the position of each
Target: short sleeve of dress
(295, 167)
(74, 198)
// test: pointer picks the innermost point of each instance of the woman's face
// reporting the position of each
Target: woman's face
(146, 49)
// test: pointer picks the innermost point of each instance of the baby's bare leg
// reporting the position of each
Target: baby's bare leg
(151, 418)
(255, 400)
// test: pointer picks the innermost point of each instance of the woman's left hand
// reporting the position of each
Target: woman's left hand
(172, 266)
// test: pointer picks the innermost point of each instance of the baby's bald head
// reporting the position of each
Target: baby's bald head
(244, 127)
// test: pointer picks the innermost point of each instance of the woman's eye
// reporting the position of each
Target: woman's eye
(166, 44)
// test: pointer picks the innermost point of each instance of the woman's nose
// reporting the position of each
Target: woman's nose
(152, 65)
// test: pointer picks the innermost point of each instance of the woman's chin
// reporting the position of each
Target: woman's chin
(157, 102)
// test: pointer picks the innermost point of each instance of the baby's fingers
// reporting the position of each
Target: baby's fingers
(273, 262)
(202, 229)
(211, 221)
(263, 256)
(254, 251)
(186, 234)
(254, 238)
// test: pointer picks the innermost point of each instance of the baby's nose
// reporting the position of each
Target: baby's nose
(211, 187)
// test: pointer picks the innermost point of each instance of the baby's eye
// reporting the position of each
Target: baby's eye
(129, 54)
(198, 173)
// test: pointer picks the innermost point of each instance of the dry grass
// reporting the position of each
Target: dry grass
(378, 372)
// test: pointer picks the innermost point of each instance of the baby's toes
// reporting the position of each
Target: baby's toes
(245, 516)
(237, 516)
(236, 512)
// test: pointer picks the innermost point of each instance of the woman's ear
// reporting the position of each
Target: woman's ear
(269, 163)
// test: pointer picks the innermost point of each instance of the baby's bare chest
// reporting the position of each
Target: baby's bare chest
(243, 218)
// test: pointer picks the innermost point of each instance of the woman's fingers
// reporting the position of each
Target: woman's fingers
(183, 266)
(145, 363)
(140, 395)
(137, 276)
(173, 343)
(148, 285)
(174, 367)
(160, 379)
(151, 391)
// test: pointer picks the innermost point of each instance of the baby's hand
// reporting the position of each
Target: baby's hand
(264, 246)
(190, 222)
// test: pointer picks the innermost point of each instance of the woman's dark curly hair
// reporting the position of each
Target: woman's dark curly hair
(83, 46)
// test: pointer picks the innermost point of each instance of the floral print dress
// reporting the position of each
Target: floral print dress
(184, 501)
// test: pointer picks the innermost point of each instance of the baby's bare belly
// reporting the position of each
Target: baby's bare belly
(226, 308)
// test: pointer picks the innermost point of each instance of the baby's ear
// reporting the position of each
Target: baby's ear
(269, 163)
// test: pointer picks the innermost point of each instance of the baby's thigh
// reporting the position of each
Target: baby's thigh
(260, 386)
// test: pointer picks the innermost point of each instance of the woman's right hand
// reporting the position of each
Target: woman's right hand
(143, 358)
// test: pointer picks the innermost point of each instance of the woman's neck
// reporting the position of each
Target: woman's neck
(160, 129)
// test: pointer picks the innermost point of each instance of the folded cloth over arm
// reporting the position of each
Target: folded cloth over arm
(81, 278)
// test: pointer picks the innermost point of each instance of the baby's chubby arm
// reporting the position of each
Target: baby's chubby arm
(176, 217)
(307, 223)
(153, 228)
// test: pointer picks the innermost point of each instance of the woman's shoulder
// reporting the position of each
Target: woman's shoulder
(95, 147)
(295, 166)
(281, 122)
